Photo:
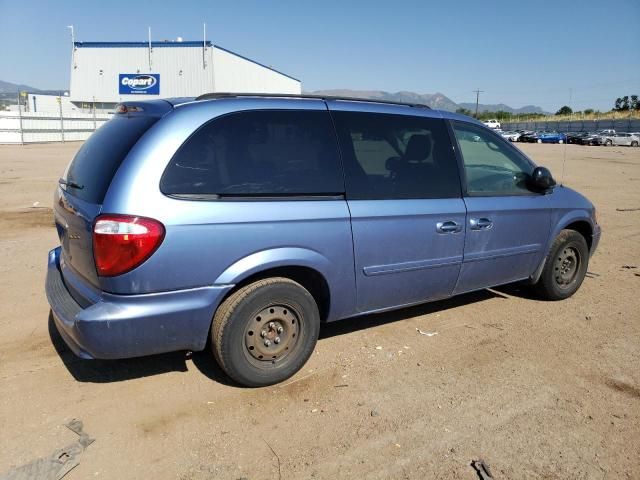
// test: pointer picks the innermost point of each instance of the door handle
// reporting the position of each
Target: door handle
(480, 224)
(448, 227)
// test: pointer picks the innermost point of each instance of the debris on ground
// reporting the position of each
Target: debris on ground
(627, 209)
(341, 386)
(374, 413)
(482, 469)
(428, 334)
(497, 326)
(56, 465)
(629, 267)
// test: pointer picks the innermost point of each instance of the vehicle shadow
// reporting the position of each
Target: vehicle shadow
(107, 371)
(333, 329)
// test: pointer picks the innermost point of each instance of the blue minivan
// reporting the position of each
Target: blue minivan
(246, 221)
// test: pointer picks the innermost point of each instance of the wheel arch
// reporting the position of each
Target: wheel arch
(577, 221)
(306, 267)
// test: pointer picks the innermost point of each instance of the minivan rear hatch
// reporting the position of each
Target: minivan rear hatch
(82, 188)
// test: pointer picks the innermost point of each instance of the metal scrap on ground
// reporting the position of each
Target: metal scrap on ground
(428, 334)
(482, 469)
(56, 465)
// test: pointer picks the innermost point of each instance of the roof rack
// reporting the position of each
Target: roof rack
(212, 96)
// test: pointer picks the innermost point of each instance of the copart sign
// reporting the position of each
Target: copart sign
(139, 84)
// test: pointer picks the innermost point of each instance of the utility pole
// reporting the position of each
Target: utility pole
(478, 92)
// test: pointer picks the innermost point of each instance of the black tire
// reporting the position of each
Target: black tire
(608, 143)
(634, 144)
(282, 309)
(565, 266)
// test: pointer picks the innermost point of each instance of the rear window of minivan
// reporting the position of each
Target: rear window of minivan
(97, 161)
(258, 153)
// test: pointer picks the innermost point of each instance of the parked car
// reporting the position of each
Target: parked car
(244, 222)
(493, 123)
(627, 139)
(551, 137)
(528, 136)
(523, 134)
(511, 136)
(591, 138)
(576, 137)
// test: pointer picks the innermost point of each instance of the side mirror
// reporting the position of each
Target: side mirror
(541, 179)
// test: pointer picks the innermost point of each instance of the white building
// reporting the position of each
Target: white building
(106, 73)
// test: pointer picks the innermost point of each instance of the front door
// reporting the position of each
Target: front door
(507, 224)
(407, 213)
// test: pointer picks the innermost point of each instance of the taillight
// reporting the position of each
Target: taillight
(122, 242)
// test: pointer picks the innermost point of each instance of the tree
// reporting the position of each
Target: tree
(565, 110)
(635, 104)
(464, 111)
(622, 104)
(588, 111)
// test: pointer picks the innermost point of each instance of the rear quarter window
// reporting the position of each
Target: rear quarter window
(258, 153)
(98, 159)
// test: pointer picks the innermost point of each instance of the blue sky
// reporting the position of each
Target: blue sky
(517, 52)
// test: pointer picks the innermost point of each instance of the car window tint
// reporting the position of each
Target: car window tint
(97, 161)
(262, 152)
(396, 156)
(492, 166)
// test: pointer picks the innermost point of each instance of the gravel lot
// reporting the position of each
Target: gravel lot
(536, 389)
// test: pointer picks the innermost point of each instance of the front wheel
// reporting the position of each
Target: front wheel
(608, 143)
(634, 144)
(565, 266)
(265, 332)
(560, 142)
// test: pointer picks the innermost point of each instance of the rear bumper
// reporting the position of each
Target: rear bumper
(124, 326)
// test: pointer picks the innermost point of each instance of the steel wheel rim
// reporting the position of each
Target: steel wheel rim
(272, 334)
(567, 266)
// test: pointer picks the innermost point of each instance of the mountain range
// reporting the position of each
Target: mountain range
(8, 87)
(434, 100)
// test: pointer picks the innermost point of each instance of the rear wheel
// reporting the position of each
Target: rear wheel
(565, 266)
(265, 332)
(539, 141)
(608, 143)
(634, 144)
(560, 141)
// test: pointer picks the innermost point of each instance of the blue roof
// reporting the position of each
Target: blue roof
(174, 44)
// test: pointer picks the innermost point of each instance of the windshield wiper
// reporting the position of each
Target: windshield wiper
(69, 183)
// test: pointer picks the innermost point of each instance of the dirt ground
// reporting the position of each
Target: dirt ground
(536, 389)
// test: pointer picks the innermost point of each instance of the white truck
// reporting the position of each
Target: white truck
(493, 123)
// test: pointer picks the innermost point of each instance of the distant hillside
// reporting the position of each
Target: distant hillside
(434, 100)
(501, 107)
(8, 87)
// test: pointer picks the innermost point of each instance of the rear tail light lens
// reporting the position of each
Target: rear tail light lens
(123, 242)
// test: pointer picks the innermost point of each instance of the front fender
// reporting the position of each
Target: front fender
(272, 258)
(565, 218)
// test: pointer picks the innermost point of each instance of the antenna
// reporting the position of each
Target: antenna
(204, 45)
(73, 46)
(150, 49)
(564, 150)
